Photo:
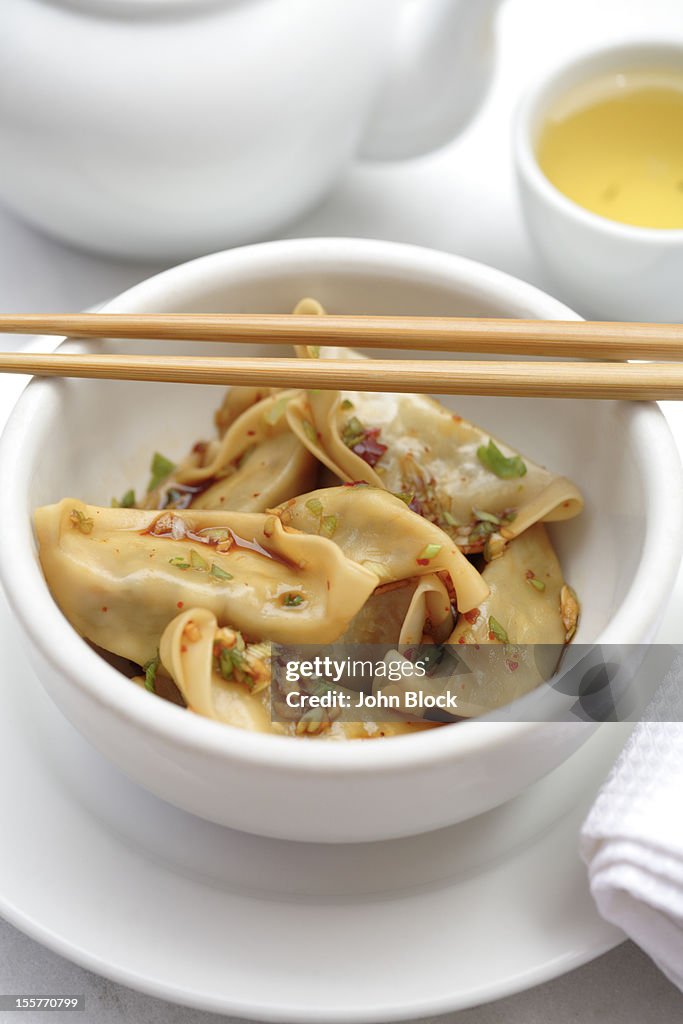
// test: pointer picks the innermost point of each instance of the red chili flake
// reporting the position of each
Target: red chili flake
(357, 483)
(492, 635)
(180, 604)
(461, 640)
(529, 575)
(370, 449)
(183, 649)
(458, 419)
(105, 609)
(200, 447)
(472, 615)
(251, 433)
(422, 561)
(512, 665)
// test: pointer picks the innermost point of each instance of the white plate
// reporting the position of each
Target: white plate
(127, 886)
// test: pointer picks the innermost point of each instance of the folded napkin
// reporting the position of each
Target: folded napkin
(632, 840)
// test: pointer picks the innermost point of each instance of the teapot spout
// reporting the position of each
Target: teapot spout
(443, 62)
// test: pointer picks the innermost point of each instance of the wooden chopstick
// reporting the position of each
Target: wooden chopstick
(567, 338)
(635, 381)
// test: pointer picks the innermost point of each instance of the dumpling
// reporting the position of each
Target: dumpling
(473, 486)
(257, 463)
(406, 612)
(224, 678)
(236, 401)
(379, 531)
(519, 630)
(121, 575)
(219, 675)
(525, 596)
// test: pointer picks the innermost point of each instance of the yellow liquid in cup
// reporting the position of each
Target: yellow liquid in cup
(615, 146)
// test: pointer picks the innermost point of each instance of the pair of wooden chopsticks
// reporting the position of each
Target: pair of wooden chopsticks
(580, 340)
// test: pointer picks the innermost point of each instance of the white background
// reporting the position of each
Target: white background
(463, 200)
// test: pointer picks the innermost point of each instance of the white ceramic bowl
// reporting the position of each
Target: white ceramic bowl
(604, 268)
(94, 440)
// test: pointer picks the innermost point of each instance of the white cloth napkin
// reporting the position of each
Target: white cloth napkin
(632, 840)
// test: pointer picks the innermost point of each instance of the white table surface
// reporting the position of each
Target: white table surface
(462, 200)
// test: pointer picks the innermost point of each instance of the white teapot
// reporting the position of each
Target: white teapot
(165, 128)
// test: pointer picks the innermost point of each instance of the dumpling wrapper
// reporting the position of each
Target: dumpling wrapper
(118, 588)
(379, 531)
(257, 463)
(186, 652)
(531, 618)
(407, 613)
(236, 401)
(275, 470)
(431, 454)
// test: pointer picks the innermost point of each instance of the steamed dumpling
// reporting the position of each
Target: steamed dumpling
(257, 463)
(121, 575)
(412, 445)
(525, 586)
(379, 531)
(203, 660)
(406, 612)
(224, 678)
(513, 642)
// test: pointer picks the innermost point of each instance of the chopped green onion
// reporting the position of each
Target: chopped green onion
(220, 574)
(353, 432)
(481, 530)
(160, 469)
(328, 526)
(498, 631)
(150, 670)
(276, 411)
(81, 521)
(347, 404)
(292, 600)
(314, 351)
(228, 661)
(127, 501)
(536, 584)
(405, 496)
(493, 459)
(314, 506)
(429, 552)
(485, 517)
(197, 562)
(449, 519)
(179, 562)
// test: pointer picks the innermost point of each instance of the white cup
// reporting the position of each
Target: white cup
(163, 129)
(603, 268)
